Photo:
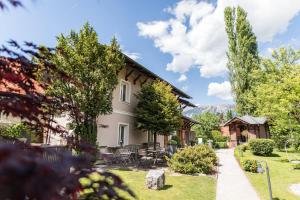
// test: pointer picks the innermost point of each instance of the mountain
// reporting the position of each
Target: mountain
(221, 108)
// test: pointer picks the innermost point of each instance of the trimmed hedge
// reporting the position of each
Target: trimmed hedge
(250, 165)
(261, 147)
(195, 159)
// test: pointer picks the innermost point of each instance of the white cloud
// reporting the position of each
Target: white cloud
(185, 88)
(195, 33)
(132, 55)
(182, 78)
(220, 90)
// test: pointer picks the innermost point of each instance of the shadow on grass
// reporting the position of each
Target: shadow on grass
(166, 187)
(276, 198)
(269, 156)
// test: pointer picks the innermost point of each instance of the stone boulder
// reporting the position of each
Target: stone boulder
(155, 179)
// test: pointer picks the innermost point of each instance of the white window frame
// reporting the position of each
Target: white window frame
(128, 91)
(126, 134)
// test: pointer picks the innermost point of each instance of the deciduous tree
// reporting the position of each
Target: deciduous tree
(158, 109)
(94, 67)
(242, 56)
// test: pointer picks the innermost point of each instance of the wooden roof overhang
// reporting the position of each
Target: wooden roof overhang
(186, 103)
(235, 119)
(188, 122)
(133, 65)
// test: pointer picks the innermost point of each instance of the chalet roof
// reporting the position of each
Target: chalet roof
(143, 69)
(187, 103)
(190, 119)
(248, 119)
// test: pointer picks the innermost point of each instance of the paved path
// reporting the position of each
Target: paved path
(232, 182)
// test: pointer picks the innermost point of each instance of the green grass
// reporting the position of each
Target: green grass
(281, 173)
(177, 187)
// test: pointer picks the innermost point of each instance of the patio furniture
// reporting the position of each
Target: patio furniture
(107, 156)
(144, 159)
(133, 148)
(123, 156)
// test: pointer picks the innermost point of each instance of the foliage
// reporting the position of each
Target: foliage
(296, 166)
(242, 56)
(172, 142)
(157, 109)
(277, 94)
(195, 159)
(4, 4)
(23, 169)
(207, 123)
(218, 137)
(229, 115)
(263, 147)
(19, 130)
(94, 67)
(29, 172)
(221, 145)
(244, 147)
(280, 172)
(176, 138)
(250, 165)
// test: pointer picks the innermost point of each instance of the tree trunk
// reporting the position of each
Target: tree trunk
(154, 143)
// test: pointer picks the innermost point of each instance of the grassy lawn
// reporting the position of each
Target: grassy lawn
(282, 175)
(177, 187)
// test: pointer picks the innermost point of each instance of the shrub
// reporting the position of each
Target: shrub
(176, 138)
(195, 159)
(280, 141)
(218, 137)
(221, 145)
(172, 142)
(244, 147)
(19, 130)
(296, 166)
(250, 165)
(262, 147)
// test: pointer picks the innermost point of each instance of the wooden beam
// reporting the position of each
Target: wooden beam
(144, 81)
(128, 74)
(136, 78)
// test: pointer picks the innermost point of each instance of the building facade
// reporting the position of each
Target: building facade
(119, 128)
(242, 129)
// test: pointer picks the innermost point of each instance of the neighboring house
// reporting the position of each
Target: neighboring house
(119, 128)
(241, 129)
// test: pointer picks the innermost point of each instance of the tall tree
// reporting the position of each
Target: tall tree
(242, 55)
(278, 94)
(94, 67)
(158, 109)
(207, 123)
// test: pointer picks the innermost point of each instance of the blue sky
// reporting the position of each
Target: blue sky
(185, 36)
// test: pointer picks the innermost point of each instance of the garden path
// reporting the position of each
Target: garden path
(232, 183)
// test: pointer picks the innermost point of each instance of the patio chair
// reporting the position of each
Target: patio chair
(145, 160)
(107, 156)
(123, 156)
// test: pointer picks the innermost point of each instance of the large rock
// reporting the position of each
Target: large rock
(155, 179)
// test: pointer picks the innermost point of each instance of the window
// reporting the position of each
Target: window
(125, 91)
(123, 129)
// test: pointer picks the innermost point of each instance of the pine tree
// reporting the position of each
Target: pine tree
(243, 57)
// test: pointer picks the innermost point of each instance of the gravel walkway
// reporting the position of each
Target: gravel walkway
(232, 182)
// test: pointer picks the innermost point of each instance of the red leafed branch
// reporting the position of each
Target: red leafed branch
(22, 94)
